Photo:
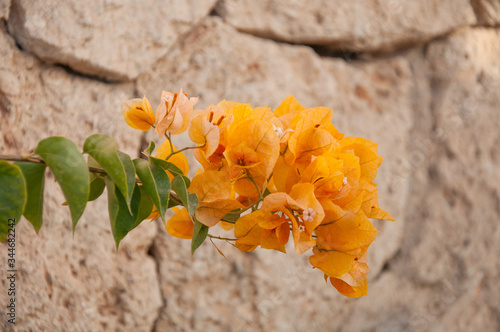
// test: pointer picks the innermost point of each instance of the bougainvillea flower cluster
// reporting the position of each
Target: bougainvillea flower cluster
(274, 177)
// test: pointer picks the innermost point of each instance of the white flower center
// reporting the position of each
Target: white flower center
(308, 214)
(345, 180)
(278, 131)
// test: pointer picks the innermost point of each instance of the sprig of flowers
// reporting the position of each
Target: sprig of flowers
(268, 174)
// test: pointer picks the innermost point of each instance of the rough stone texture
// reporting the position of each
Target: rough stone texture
(78, 284)
(358, 25)
(457, 198)
(433, 109)
(487, 11)
(113, 39)
(4, 8)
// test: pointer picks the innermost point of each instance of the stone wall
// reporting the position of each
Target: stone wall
(421, 78)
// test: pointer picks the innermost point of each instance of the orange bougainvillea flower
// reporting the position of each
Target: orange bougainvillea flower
(332, 263)
(266, 175)
(252, 151)
(287, 110)
(303, 210)
(353, 283)
(138, 113)
(213, 189)
(180, 224)
(250, 232)
(351, 234)
(313, 135)
(207, 128)
(174, 113)
(370, 203)
(326, 174)
(366, 151)
(178, 159)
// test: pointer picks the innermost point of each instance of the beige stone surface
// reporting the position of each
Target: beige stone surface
(4, 8)
(65, 283)
(433, 109)
(358, 25)
(115, 40)
(458, 202)
(487, 11)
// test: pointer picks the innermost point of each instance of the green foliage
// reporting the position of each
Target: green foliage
(34, 174)
(120, 216)
(118, 165)
(156, 184)
(149, 149)
(129, 201)
(232, 216)
(97, 186)
(168, 166)
(70, 170)
(145, 207)
(200, 233)
(180, 183)
(12, 196)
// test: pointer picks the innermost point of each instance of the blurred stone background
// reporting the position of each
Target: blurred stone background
(421, 78)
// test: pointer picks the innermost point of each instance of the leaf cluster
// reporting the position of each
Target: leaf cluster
(135, 188)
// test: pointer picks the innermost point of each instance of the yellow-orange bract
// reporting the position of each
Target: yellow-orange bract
(268, 174)
(174, 113)
(138, 114)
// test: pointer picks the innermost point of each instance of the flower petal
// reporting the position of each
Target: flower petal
(180, 224)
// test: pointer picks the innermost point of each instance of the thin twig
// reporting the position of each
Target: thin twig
(220, 238)
(41, 161)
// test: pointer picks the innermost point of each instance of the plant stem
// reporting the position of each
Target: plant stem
(220, 238)
(184, 149)
(40, 161)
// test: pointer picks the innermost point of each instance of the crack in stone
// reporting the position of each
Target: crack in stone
(217, 9)
(66, 68)
(16, 12)
(337, 50)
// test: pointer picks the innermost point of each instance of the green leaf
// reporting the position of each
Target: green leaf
(145, 207)
(97, 184)
(200, 233)
(70, 170)
(192, 203)
(172, 203)
(180, 184)
(156, 183)
(92, 162)
(34, 174)
(129, 170)
(122, 221)
(12, 197)
(168, 166)
(96, 187)
(117, 165)
(231, 217)
(149, 149)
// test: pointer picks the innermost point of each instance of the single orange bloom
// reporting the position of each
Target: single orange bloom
(180, 224)
(174, 113)
(138, 113)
